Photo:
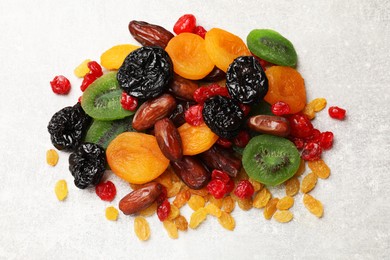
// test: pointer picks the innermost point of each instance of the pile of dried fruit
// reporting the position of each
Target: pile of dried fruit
(197, 118)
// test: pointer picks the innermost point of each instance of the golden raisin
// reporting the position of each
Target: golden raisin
(309, 112)
(283, 216)
(320, 168)
(52, 157)
(309, 182)
(216, 202)
(245, 204)
(202, 192)
(61, 190)
(82, 69)
(213, 210)
(196, 202)
(227, 221)
(181, 223)
(149, 211)
(112, 213)
(256, 185)
(270, 208)
(261, 198)
(301, 169)
(171, 228)
(181, 198)
(242, 175)
(174, 189)
(228, 204)
(292, 186)
(313, 205)
(197, 217)
(173, 213)
(285, 203)
(318, 104)
(141, 228)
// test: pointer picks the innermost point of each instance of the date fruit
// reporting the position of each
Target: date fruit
(140, 199)
(183, 88)
(153, 110)
(222, 159)
(168, 139)
(273, 125)
(192, 172)
(215, 75)
(149, 34)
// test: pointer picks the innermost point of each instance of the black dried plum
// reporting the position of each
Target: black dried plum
(223, 116)
(68, 126)
(146, 72)
(246, 80)
(87, 165)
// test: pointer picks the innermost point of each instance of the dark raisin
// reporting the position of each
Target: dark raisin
(68, 126)
(87, 165)
(223, 115)
(146, 72)
(246, 80)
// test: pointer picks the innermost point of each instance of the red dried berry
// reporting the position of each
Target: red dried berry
(220, 175)
(337, 113)
(299, 142)
(95, 69)
(226, 143)
(186, 23)
(311, 152)
(217, 188)
(194, 116)
(199, 30)
(300, 125)
(262, 62)
(163, 210)
(242, 139)
(205, 92)
(229, 186)
(245, 108)
(163, 195)
(314, 137)
(129, 102)
(244, 189)
(280, 108)
(88, 80)
(106, 191)
(326, 140)
(60, 85)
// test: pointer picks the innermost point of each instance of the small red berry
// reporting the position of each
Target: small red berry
(88, 80)
(326, 140)
(217, 188)
(129, 102)
(220, 175)
(245, 108)
(163, 195)
(229, 186)
(244, 189)
(226, 143)
(280, 108)
(193, 115)
(185, 23)
(163, 210)
(314, 137)
(60, 85)
(95, 69)
(337, 113)
(205, 92)
(242, 139)
(311, 152)
(299, 142)
(199, 30)
(300, 125)
(106, 190)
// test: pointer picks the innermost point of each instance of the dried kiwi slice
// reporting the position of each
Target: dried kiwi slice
(101, 100)
(270, 159)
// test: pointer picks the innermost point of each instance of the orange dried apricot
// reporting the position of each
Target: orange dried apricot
(189, 56)
(287, 85)
(113, 58)
(223, 47)
(196, 139)
(136, 157)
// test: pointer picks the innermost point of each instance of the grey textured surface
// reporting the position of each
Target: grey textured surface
(343, 49)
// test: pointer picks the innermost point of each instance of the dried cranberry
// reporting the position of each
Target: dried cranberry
(217, 188)
(229, 186)
(280, 108)
(205, 92)
(163, 195)
(186, 23)
(88, 80)
(300, 125)
(242, 139)
(60, 85)
(244, 189)
(199, 30)
(226, 143)
(163, 210)
(194, 115)
(106, 190)
(95, 69)
(326, 140)
(129, 102)
(311, 152)
(220, 175)
(337, 113)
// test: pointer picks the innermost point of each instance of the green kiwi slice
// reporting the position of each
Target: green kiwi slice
(101, 100)
(270, 159)
(103, 132)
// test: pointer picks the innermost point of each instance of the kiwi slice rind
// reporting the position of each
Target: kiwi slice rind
(270, 159)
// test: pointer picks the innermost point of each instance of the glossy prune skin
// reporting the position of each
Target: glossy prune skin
(87, 165)
(246, 80)
(146, 72)
(68, 126)
(223, 116)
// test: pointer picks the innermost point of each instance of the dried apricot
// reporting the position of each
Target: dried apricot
(313, 205)
(52, 157)
(196, 139)
(141, 228)
(223, 47)
(320, 168)
(261, 198)
(136, 157)
(287, 85)
(112, 213)
(309, 182)
(270, 208)
(213, 210)
(181, 223)
(198, 217)
(285, 203)
(227, 221)
(113, 58)
(228, 204)
(196, 202)
(61, 190)
(171, 228)
(189, 56)
(283, 216)
(292, 186)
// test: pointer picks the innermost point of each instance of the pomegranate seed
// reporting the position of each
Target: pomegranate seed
(217, 188)
(194, 116)
(186, 23)
(60, 85)
(163, 210)
(220, 175)
(300, 125)
(226, 143)
(326, 140)
(163, 195)
(314, 137)
(299, 142)
(245, 108)
(95, 69)
(244, 189)
(242, 139)
(337, 113)
(311, 152)
(129, 102)
(205, 92)
(280, 108)
(106, 191)
(88, 80)
(199, 30)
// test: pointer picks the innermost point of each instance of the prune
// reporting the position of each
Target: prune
(68, 126)
(246, 80)
(87, 165)
(223, 116)
(146, 72)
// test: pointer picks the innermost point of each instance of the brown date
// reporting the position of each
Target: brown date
(140, 199)
(153, 110)
(183, 88)
(273, 125)
(168, 139)
(215, 75)
(192, 172)
(222, 159)
(149, 34)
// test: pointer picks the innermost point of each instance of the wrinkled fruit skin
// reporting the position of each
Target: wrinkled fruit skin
(246, 80)
(223, 116)
(222, 159)
(67, 127)
(146, 72)
(273, 125)
(192, 172)
(149, 34)
(168, 139)
(87, 165)
(140, 199)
